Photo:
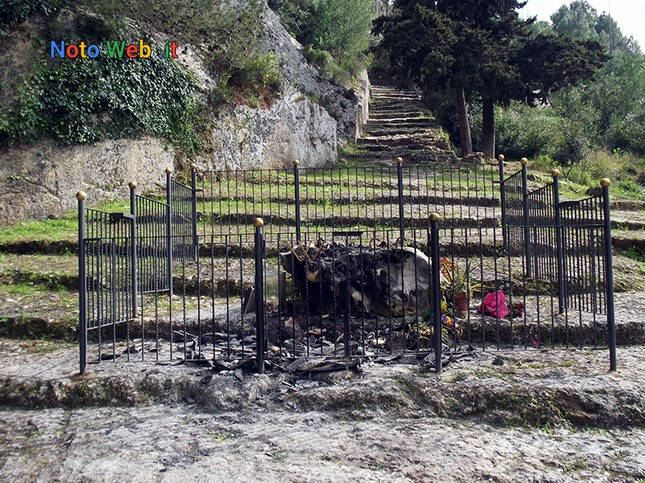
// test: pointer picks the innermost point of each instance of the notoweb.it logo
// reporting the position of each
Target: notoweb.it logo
(113, 49)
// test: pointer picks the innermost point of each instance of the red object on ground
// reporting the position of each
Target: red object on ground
(494, 304)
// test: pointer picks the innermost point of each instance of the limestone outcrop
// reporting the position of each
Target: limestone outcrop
(311, 114)
(41, 180)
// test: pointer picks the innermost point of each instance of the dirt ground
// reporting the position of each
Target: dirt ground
(536, 415)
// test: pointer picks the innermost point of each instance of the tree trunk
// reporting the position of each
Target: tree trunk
(464, 125)
(488, 128)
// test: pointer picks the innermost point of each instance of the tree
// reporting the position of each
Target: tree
(462, 45)
(578, 20)
(340, 27)
(550, 62)
(478, 47)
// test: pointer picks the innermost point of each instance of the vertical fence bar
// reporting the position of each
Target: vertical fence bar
(399, 172)
(296, 182)
(193, 215)
(609, 276)
(133, 256)
(436, 289)
(526, 218)
(558, 240)
(82, 284)
(502, 201)
(259, 295)
(169, 232)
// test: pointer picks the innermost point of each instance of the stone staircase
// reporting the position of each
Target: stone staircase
(400, 125)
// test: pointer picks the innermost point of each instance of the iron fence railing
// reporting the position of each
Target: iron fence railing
(348, 263)
(377, 198)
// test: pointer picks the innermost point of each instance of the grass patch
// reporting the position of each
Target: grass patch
(44, 346)
(638, 256)
(64, 228)
(626, 171)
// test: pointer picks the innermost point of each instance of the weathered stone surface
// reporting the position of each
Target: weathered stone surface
(42, 180)
(342, 103)
(293, 128)
(363, 104)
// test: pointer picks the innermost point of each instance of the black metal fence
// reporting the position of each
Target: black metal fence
(565, 245)
(348, 263)
(368, 199)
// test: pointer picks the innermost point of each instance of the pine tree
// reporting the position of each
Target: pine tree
(483, 48)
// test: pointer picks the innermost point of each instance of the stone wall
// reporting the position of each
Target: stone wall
(41, 180)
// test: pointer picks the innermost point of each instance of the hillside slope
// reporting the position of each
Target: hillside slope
(97, 124)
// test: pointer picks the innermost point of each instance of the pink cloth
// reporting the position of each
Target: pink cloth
(494, 304)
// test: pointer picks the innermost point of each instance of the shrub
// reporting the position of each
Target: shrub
(87, 101)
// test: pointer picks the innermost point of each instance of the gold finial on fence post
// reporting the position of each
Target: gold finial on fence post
(399, 160)
(81, 195)
(555, 173)
(605, 182)
(524, 161)
(501, 157)
(132, 185)
(258, 222)
(435, 217)
(168, 170)
(296, 162)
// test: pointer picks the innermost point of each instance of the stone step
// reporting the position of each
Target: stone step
(411, 131)
(424, 136)
(624, 205)
(394, 104)
(399, 123)
(409, 146)
(393, 94)
(387, 115)
(420, 157)
(396, 98)
(621, 239)
(428, 141)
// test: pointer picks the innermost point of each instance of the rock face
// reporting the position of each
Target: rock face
(41, 180)
(294, 128)
(305, 123)
(340, 102)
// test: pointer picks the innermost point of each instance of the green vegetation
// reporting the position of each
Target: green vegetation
(548, 106)
(480, 50)
(119, 98)
(335, 33)
(64, 228)
(593, 129)
(85, 101)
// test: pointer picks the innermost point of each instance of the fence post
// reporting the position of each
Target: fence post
(399, 172)
(435, 284)
(259, 295)
(609, 276)
(169, 230)
(133, 257)
(558, 239)
(525, 209)
(502, 201)
(193, 217)
(82, 283)
(296, 180)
